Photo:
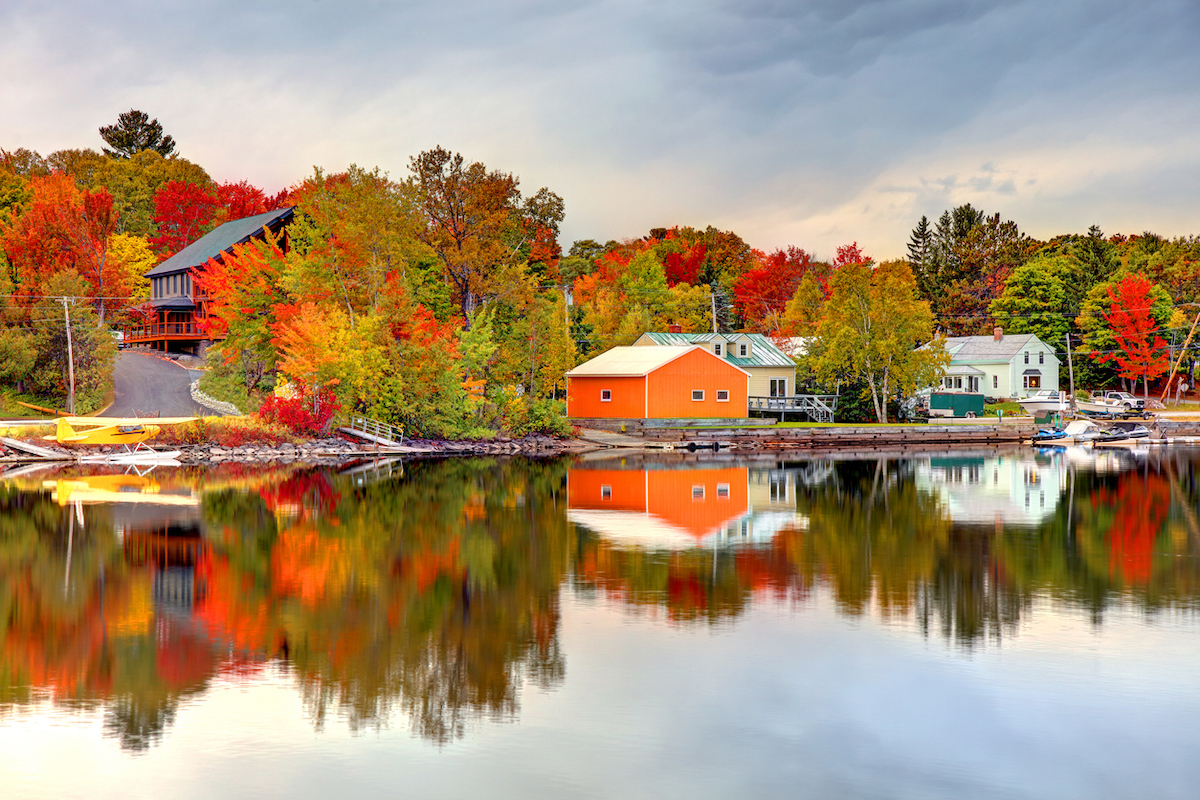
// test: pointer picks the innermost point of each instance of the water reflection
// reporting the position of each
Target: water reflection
(431, 591)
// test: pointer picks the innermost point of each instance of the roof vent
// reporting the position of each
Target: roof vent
(998, 334)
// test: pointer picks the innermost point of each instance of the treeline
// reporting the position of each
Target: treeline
(442, 299)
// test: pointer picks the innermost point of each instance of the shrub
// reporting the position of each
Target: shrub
(224, 432)
(308, 413)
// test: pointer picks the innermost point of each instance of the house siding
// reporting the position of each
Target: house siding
(628, 397)
(670, 388)
(760, 380)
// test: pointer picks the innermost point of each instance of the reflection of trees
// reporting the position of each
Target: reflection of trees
(435, 594)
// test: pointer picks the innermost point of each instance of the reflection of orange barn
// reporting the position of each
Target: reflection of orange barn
(658, 507)
(657, 383)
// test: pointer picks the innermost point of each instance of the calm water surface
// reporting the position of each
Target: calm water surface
(996, 624)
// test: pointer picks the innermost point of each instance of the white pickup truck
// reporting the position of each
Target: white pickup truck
(1125, 399)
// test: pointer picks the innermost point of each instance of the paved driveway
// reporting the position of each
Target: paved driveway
(147, 385)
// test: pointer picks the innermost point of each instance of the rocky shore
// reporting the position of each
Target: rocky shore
(337, 450)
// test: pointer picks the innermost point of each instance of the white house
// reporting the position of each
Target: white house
(1000, 365)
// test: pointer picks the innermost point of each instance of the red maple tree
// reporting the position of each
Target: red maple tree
(241, 200)
(1142, 352)
(183, 212)
(762, 294)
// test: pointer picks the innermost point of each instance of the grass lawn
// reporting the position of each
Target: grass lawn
(1009, 409)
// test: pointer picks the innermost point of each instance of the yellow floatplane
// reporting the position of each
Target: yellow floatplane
(132, 433)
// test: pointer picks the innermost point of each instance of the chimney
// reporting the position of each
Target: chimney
(674, 329)
(998, 334)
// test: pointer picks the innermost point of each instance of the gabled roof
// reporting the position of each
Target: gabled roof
(763, 351)
(221, 240)
(635, 362)
(986, 348)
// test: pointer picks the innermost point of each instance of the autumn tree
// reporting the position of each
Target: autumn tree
(871, 329)
(240, 200)
(1141, 351)
(1098, 343)
(183, 212)
(476, 220)
(244, 291)
(134, 132)
(353, 230)
(762, 293)
(63, 228)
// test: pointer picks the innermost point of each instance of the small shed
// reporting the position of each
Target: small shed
(684, 382)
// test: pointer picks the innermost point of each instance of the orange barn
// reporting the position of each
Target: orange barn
(657, 383)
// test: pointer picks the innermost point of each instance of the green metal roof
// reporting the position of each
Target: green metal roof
(220, 240)
(763, 352)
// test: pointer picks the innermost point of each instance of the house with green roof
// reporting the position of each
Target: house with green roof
(772, 371)
(1001, 365)
(175, 307)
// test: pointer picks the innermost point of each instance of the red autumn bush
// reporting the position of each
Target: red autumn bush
(309, 413)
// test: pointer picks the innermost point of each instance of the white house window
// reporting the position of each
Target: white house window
(743, 350)
(1026, 356)
(606, 395)
(778, 387)
(606, 493)
(1041, 357)
(722, 491)
(995, 381)
(697, 394)
(716, 349)
(722, 395)
(697, 492)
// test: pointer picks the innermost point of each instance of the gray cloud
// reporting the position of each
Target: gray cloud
(808, 122)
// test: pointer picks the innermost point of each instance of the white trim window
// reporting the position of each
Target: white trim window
(717, 349)
(722, 491)
(606, 395)
(743, 350)
(722, 395)
(697, 395)
(606, 492)
(698, 492)
(995, 381)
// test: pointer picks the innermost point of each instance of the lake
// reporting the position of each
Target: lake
(992, 624)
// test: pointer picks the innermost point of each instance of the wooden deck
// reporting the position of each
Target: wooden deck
(816, 407)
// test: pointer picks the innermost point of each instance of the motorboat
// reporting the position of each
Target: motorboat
(1124, 434)
(1077, 431)
(1047, 401)
(1099, 405)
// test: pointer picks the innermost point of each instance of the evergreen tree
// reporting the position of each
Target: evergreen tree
(133, 133)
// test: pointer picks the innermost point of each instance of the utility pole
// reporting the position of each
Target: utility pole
(1179, 361)
(1071, 372)
(70, 360)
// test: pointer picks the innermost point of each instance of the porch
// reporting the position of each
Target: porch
(817, 407)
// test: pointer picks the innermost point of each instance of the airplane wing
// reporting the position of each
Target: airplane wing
(107, 421)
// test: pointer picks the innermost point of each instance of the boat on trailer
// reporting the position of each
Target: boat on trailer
(1045, 402)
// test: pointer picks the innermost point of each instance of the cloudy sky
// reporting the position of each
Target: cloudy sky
(809, 122)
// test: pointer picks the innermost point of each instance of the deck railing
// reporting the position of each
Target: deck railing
(819, 407)
(377, 429)
(159, 330)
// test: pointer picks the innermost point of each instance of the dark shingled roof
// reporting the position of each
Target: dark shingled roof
(173, 302)
(221, 240)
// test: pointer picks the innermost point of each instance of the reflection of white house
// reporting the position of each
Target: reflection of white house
(1000, 365)
(1013, 489)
